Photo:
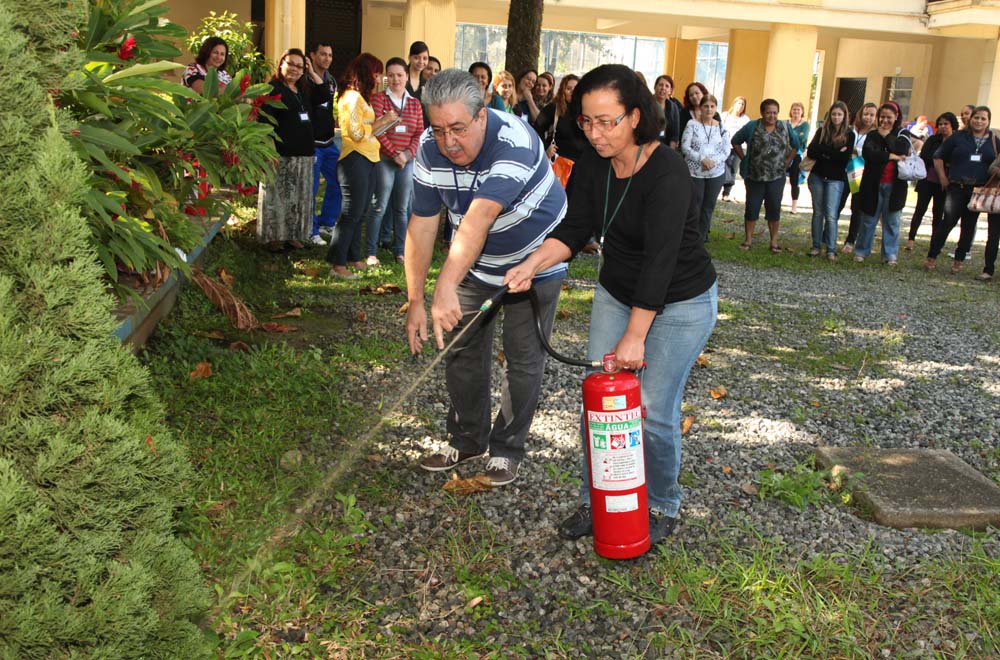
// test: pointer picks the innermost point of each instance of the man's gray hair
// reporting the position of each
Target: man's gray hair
(451, 86)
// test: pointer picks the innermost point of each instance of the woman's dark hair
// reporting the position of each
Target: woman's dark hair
(360, 74)
(687, 103)
(206, 49)
(767, 102)
(278, 77)
(395, 61)
(948, 117)
(979, 108)
(562, 107)
(891, 105)
(418, 47)
(523, 74)
(632, 93)
(482, 65)
(431, 58)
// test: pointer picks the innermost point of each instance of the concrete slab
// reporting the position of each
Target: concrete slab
(918, 487)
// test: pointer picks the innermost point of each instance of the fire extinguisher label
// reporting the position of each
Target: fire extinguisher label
(616, 458)
(613, 402)
(621, 503)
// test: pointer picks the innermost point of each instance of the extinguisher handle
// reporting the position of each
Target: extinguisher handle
(610, 363)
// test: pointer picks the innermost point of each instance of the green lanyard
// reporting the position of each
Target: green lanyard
(607, 196)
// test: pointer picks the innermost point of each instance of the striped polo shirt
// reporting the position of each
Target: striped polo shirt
(511, 170)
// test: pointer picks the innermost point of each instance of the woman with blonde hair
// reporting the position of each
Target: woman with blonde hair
(831, 148)
(796, 117)
(504, 93)
(733, 120)
(864, 123)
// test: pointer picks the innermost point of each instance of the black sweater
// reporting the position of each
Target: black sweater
(876, 154)
(831, 160)
(295, 135)
(568, 136)
(653, 252)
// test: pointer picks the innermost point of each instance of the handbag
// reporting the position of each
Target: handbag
(855, 168)
(562, 167)
(986, 199)
(911, 168)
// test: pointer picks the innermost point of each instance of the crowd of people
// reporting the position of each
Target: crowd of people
(528, 172)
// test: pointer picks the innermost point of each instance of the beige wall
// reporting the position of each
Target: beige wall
(878, 60)
(681, 60)
(433, 21)
(380, 35)
(188, 13)
(955, 73)
(746, 67)
(829, 46)
(789, 68)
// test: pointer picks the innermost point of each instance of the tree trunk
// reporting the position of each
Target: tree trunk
(524, 34)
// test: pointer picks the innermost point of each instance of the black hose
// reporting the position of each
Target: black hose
(533, 298)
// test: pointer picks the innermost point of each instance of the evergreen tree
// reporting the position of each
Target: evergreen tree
(90, 477)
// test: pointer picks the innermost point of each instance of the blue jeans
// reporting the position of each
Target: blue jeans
(393, 187)
(357, 183)
(826, 195)
(673, 344)
(326, 164)
(890, 227)
(764, 192)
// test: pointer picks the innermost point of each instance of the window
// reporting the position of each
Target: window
(899, 90)
(562, 52)
(710, 68)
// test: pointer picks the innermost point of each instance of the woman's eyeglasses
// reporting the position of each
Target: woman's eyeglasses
(588, 124)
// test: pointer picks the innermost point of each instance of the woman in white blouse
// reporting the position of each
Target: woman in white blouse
(705, 146)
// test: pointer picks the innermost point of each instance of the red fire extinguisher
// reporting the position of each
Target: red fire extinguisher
(613, 415)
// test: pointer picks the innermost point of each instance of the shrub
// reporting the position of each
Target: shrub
(243, 54)
(90, 478)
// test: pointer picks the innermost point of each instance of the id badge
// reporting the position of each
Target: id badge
(975, 158)
(303, 116)
(401, 128)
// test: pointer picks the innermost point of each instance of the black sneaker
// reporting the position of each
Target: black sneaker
(446, 458)
(577, 525)
(660, 526)
(502, 471)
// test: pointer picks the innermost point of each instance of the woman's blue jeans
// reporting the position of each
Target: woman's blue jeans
(673, 344)
(826, 195)
(890, 227)
(393, 187)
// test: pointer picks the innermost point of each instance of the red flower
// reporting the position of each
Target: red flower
(190, 210)
(244, 83)
(230, 158)
(258, 102)
(127, 49)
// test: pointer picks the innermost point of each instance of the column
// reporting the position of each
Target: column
(285, 27)
(746, 67)
(432, 21)
(788, 76)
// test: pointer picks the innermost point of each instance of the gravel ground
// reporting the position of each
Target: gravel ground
(815, 357)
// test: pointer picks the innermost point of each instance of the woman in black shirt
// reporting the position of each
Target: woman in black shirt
(657, 297)
(929, 189)
(285, 205)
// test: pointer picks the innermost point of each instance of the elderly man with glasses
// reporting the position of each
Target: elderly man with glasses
(490, 170)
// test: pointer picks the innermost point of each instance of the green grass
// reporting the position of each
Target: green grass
(312, 594)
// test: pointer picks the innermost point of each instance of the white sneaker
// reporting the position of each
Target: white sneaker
(317, 240)
(373, 261)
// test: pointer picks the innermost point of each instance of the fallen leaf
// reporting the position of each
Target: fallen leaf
(726, 469)
(728, 221)
(240, 346)
(278, 327)
(687, 424)
(708, 583)
(383, 290)
(376, 458)
(152, 447)
(361, 316)
(749, 489)
(235, 309)
(292, 313)
(405, 308)
(840, 367)
(211, 334)
(314, 271)
(501, 358)
(203, 370)
(226, 277)
(702, 361)
(567, 287)
(563, 313)
(814, 403)
(719, 392)
(731, 236)
(475, 601)
(478, 484)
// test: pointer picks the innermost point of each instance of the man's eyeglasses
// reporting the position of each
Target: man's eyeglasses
(588, 124)
(458, 130)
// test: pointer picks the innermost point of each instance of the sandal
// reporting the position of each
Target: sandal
(745, 246)
(775, 249)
